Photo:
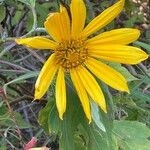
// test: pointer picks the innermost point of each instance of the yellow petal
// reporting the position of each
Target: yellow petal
(92, 87)
(81, 93)
(61, 93)
(107, 74)
(58, 25)
(45, 77)
(103, 19)
(37, 42)
(78, 13)
(118, 53)
(118, 36)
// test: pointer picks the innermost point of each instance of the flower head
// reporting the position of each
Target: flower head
(78, 55)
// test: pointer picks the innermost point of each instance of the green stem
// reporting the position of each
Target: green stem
(7, 39)
(34, 18)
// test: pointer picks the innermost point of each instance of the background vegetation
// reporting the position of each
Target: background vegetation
(21, 118)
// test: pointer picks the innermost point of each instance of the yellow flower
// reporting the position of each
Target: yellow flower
(78, 55)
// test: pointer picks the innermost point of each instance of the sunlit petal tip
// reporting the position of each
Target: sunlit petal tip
(89, 117)
(90, 120)
(134, 33)
(128, 91)
(126, 88)
(37, 95)
(34, 99)
(121, 3)
(61, 116)
(105, 110)
(103, 107)
(138, 32)
(62, 8)
(145, 56)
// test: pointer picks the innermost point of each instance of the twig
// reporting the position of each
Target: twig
(34, 17)
(16, 71)
(34, 30)
(23, 58)
(42, 60)
(144, 69)
(12, 114)
(25, 97)
(13, 65)
(27, 119)
(132, 71)
(7, 39)
(7, 49)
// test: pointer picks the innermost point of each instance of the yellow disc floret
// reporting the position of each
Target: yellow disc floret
(72, 53)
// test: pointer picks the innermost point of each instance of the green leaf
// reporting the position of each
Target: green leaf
(6, 121)
(22, 124)
(129, 6)
(129, 77)
(30, 21)
(44, 116)
(3, 147)
(132, 135)
(74, 131)
(2, 13)
(43, 10)
(96, 116)
(98, 140)
(28, 75)
(3, 144)
(140, 95)
(48, 118)
(17, 16)
(3, 108)
(32, 3)
(79, 144)
(131, 21)
(12, 3)
(147, 34)
(136, 93)
(28, 2)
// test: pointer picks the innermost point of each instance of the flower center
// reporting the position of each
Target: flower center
(72, 53)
